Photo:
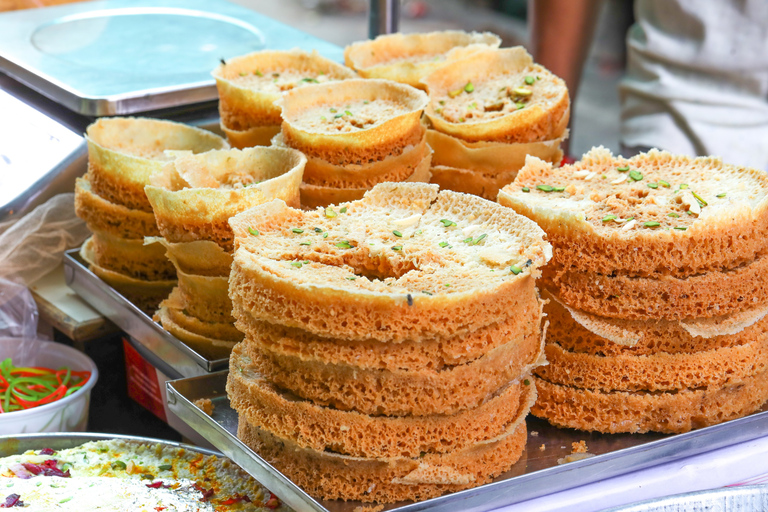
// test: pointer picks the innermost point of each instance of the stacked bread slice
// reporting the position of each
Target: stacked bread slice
(487, 111)
(407, 58)
(659, 290)
(355, 134)
(193, 198)
(388, 341)
(122, 155)
(249, 85)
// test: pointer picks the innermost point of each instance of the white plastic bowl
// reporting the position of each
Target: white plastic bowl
(69, 414)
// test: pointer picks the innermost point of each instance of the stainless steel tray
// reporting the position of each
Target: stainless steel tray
(117, 57)
(182, 360)
(535, 474)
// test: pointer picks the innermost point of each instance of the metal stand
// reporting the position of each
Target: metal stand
(383, 17)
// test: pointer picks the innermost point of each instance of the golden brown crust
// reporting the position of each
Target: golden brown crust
(377, 119)
(205, 297)
(123, 152)
(399, 392)
(469, 182)
(177, 313)
(649, 336)
(639, 412)
(359, 435)
(488, 79)
(407, 58)
(132, 257)
(729, 232)
(333, 476)
(369, 354)
(350, 283)
(706, 295)
(210, 348)
(655, 372)
(256, 136)
(115, 219)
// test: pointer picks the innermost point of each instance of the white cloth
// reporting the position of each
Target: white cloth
(697, 79)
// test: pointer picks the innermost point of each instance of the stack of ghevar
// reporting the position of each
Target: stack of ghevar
(250, 84)
(122, 155)
(193, 198)
(388, 341)
(355, 134)
(407, 58)
(488, 111)
(659, 285)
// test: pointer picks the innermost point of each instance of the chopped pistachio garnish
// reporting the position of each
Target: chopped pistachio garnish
(275, 75)
(520, 105)
(333, 110)
(447, 223)
(453, 94)
(397, 233)
(629, 219)
(558, 189)
(604, 177)
(522, 91)
(330, 213)
(323, 118)
(623, 168)
(472, 105)
(663, 183)
(351, 278)
(438, 110)
(689, 212)
(344, 245)
(311, 80)
(337, 116)
(673, 214)
(318, 230)
(297, 230)
(365, 102)
(443, 244)
(545, 188)
(681, 228)
(325, 235)
(426, 292)
(254, 232)
(683, 186)
(609, 217)
(258, 73)
(397, 247)
(526, 189)
(442, 102)
(700, 199)
(720, 195)
(653, 185)
(297, 264)
(348, 112)
(651, 224)
(461, 119)
(343, 209)
(529, 80)
(447, 285)
(635, 175)
(469, 87)
(479, 239)
(243, 73)
(515, 269)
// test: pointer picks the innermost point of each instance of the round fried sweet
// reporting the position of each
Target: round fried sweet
(497, 95)
(194, 196)
(107, 217)
(407, 58)
(250, 84)
(403, 263)
(353, 122)
(123, 152)
(131, 257)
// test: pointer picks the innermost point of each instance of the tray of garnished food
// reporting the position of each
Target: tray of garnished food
(555, 459)
(87, 471)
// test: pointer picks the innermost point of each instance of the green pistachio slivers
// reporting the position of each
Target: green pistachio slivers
(529, 80)
(254, 232)
(651, 224)
(700, 199)
(397, 233)
(545, 188)
(165, 467)
(118, 464)
(297, 230)
(673, 214)
(623, 168)
(520, 105)
(558, 189)
(296, 264)
(447, 223)
(469, 87)
(305, 243)
(680, 228)
(443, 244)
(522, 91)
(397, 247)
(343, 209)
(526, 189)
(515, 269)
(330, 213)
(609, 217)
(344, 245)
(663, 183)
(653, 185)
(720, 195)
(683, 186)
(351, 278)
(635, 175)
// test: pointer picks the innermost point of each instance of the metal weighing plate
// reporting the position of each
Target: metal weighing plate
(535, 474)
(117, 57)
(184, 361)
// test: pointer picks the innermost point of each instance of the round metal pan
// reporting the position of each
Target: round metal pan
(733, 499)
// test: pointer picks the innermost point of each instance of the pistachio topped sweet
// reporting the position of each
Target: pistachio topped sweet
(651, 213)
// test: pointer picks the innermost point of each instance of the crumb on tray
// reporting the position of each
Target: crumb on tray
(205, 405)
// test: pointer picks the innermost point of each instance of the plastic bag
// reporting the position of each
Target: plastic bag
(18, 321)
(33, 245)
